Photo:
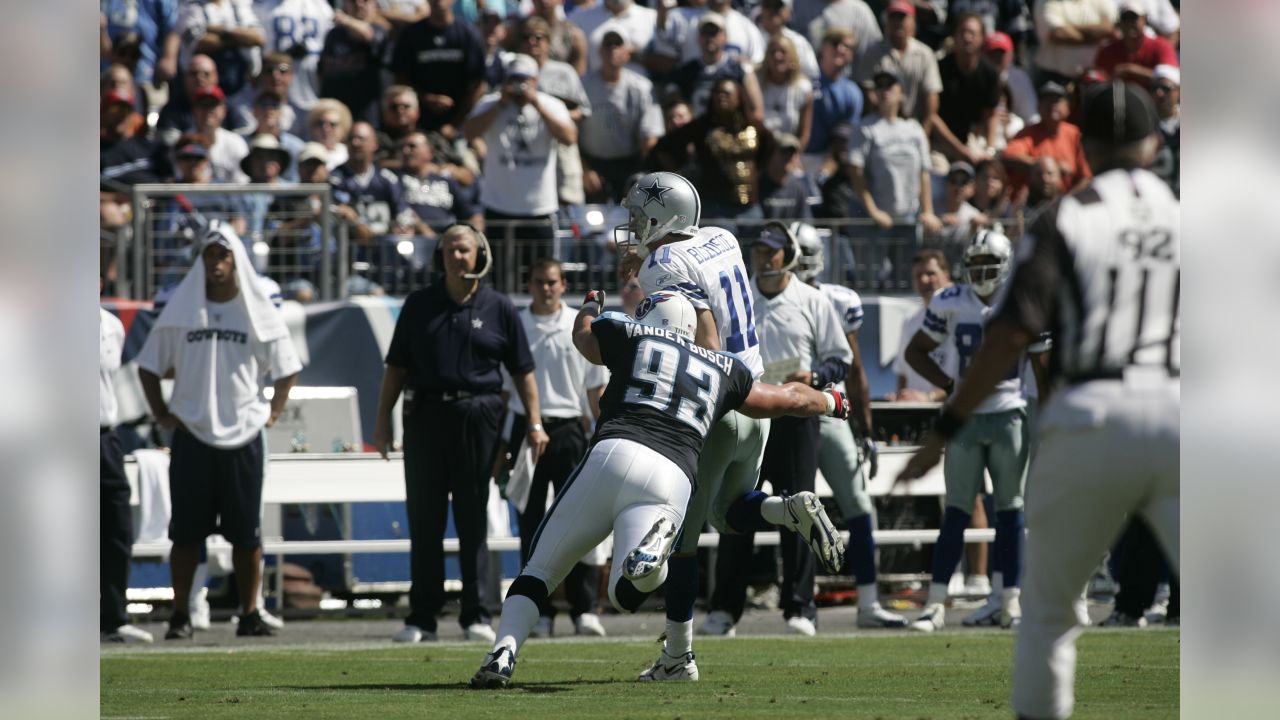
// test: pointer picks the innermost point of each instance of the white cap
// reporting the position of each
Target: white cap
(522, 65)
(1167, 72)
(1133, 6)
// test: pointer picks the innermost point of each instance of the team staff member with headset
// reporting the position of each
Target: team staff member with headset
(445, 354)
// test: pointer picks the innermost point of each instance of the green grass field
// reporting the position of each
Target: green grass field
(1122, 674)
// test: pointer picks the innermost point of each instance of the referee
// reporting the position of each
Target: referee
(568, 388)
(1102, 268)
(799, 330)
(449, 341)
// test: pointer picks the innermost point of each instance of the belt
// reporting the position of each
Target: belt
(551, 422)
(1123, 373)
(448, 396)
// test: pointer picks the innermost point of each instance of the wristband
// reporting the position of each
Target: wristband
(947, 424)
(536, 427)
(831, 401)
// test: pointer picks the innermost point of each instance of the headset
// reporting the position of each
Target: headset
(790, 253)
(484, 255)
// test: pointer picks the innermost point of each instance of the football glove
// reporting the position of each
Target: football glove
(870, 456)
(595, 297)
(841, 407)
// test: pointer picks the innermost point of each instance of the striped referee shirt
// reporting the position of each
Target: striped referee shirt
(1101, 269)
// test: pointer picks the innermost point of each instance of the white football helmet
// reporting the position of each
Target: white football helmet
(986, 277)
(658, 204)
(810, 263)
(669, 311)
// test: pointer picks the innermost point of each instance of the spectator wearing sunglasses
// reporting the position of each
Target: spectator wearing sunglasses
(276, 76)
(329, 123)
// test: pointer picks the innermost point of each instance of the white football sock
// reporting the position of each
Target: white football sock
(679, 638)
(868, 596)
(519, 615)
(1008, 594)
(774, 511)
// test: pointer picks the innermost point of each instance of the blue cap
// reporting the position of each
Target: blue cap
(772, 237)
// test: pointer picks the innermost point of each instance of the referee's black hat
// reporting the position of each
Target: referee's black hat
(1118, 112)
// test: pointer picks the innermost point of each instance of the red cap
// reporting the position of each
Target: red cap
(205, 93)
(998, 41)
(117, 96)
(901, 6)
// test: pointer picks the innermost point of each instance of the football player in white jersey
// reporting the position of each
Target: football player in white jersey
(847, 463)
(666, 250)
(994, 441)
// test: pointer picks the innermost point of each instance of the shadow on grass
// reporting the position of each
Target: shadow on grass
(536, 688)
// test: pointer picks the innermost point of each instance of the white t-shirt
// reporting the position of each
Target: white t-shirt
(636, 24)
(798, 324)
(225, 156)
(944, 355)
(956, 315)
(708, 270)
(621, 115)
(196, 16)
(1063, 58)
(680, 38)
(782, 104)
(563, 375)
(218, 374)
(520, 168)
(289, 23)
(110, 346)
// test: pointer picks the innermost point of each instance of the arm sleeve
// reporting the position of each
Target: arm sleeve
(740, 383)
(1165, 53)
(519, 358)
(937, 317)
(483, 105)
(610, 335)
(1037, 276)
(932, 78)
(400, 353)
(157, 353)
(832, 348)
(283, 358)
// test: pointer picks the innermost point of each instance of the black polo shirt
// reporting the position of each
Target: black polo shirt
(451, 347)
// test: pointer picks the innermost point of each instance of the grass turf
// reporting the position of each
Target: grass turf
(1122, 674)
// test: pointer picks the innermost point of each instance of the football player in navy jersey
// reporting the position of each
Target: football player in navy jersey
(664, 395)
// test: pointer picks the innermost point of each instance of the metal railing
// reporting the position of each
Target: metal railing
(294, 238)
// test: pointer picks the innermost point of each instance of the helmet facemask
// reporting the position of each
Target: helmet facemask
(985, 273)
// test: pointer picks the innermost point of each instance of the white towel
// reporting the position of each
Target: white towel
(187, 307)
(154, 507)
(521, 477)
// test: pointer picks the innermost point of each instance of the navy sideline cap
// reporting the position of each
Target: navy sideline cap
(1117, 112)
(772, 237)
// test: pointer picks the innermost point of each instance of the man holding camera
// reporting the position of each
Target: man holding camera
(520, 127)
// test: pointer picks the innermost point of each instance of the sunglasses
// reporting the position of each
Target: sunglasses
(325, 123)
(282, 68)
(539, 38)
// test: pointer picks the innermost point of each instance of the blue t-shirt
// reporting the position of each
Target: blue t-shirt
(835, 101)
(437, 200)
(150, 19)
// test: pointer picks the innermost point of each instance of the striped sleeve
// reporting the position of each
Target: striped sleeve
(934, 325)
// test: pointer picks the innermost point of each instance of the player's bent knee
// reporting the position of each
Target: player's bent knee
(531, 587)
(625, 596)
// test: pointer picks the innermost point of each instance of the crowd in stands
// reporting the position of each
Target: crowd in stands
(902, 119)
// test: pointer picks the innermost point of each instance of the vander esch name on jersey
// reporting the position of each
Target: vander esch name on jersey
(220, 335)
(724, 362)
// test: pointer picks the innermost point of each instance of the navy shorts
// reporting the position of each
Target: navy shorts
(215, 491)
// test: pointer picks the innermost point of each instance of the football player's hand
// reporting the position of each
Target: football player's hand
(595, 297)
(538, 440)
(841, 409)
(871, 456)
(382, 438)
(925, 458)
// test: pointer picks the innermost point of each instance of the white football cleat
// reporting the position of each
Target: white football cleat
(717, 622)
(495, 670)
(480, 631)
(986, 616)
(543, 628)
(800, 625)
(128, 634)
(977, 585)
(588, 624)
(805, 515)
(648, 557)
(1011, 615)
(933, 618)
(877, 617)
(679, 669)
(413, 634)
(273, 621)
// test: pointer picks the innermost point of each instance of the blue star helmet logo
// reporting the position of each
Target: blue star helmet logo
(655, 192)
